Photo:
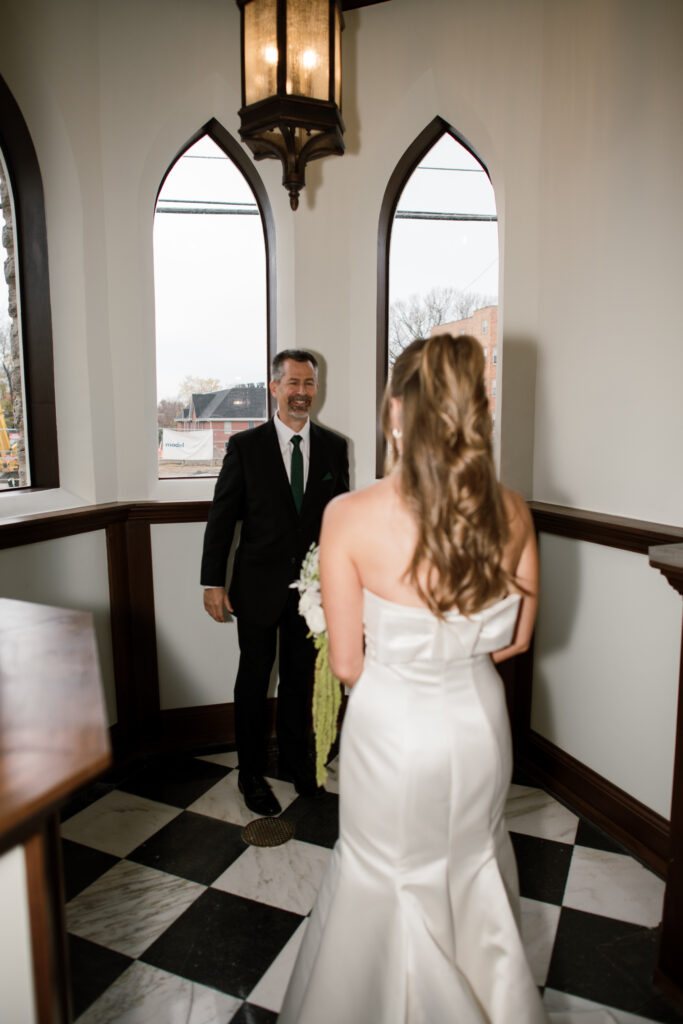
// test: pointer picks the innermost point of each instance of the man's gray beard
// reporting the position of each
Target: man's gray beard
(298, 412)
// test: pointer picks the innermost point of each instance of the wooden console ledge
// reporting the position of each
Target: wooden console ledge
(53, 740)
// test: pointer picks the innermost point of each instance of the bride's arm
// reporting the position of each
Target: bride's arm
(342, 593)
(526, 575)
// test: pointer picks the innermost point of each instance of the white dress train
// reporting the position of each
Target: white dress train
(416, 920)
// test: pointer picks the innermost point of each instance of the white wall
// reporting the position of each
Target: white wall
(605, 664)
(16, 958)
(197, 657)
(70, 572)
(575, 108)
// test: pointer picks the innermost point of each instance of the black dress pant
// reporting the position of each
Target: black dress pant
(257, 655)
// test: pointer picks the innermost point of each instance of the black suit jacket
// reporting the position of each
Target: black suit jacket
(253, 487)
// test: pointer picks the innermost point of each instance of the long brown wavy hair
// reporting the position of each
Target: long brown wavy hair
(446, 473)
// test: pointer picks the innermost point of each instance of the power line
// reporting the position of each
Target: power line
(211, 213)
(474, 280)
(209, 206)
(203, 156)
(460, 170)
(428, 215)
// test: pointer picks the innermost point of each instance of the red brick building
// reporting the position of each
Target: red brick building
(482, 325)
(225, 412)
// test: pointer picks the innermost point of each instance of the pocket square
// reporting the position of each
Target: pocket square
(328, 476)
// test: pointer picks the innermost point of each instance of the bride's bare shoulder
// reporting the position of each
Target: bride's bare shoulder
(346, 508)
(516, 508)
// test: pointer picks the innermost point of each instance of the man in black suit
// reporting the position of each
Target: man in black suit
(276, 479)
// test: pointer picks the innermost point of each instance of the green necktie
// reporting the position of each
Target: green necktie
(297, 479)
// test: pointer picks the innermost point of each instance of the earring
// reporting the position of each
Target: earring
(397, 434)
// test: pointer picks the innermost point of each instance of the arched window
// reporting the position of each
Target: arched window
(215, 302)
(437, 252)
(28, 430)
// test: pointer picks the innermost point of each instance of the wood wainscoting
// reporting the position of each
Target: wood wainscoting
(142, 726)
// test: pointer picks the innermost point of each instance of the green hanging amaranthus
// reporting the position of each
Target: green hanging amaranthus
(326, 687)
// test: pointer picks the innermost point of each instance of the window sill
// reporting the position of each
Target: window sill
(17, 503)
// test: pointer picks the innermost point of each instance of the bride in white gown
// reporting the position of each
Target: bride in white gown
(428, 577)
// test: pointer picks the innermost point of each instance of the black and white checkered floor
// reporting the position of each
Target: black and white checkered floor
(172, 917)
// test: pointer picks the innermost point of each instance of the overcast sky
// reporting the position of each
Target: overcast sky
(455, 254)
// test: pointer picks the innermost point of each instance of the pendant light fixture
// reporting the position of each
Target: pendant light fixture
(291, 83)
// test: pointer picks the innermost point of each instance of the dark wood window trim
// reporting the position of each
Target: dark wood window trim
(34, 290)
(215, 131)
(397, 182)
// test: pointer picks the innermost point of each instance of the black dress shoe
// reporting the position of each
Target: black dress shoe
(258, 796)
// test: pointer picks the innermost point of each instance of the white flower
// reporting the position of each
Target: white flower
(308, 600)
(308, 586)
(315, 619)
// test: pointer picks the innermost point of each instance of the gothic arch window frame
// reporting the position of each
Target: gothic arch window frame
(34, 291)
(222, 137)
(397, 182)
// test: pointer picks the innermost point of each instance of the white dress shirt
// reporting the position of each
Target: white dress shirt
(284, 436)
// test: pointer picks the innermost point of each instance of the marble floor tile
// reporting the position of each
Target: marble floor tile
(286, 876)
(228, 759)
(173, 779)
(144, 993)
(270, 991)
(193, 846)
(92, 968)
(315, 821)
(118, 822)
(588, 834)
(250, 1014)
(129, 907)
(539, 924)
(81, 865)
(535, 813)
(542, 866)
(224, 800)
(555, 1002)
(224, 941)
(609, 962)
(614, 885)
(332, 780)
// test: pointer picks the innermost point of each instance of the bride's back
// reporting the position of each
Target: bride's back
(439, 531)
(383, 534)
(382, 541)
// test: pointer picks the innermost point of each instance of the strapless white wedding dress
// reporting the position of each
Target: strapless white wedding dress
(416, 919)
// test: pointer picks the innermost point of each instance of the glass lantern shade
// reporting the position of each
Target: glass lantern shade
(291, 83)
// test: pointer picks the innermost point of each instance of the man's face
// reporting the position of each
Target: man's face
(295, 392)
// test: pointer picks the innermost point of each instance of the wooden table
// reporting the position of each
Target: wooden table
(53, 740)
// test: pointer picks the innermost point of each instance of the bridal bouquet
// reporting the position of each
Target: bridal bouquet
(326, 687)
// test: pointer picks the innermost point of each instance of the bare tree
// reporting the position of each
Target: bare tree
(196, 386)
(414, 317)
(167, 410)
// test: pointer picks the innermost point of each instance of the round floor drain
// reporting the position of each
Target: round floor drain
(267, 832)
